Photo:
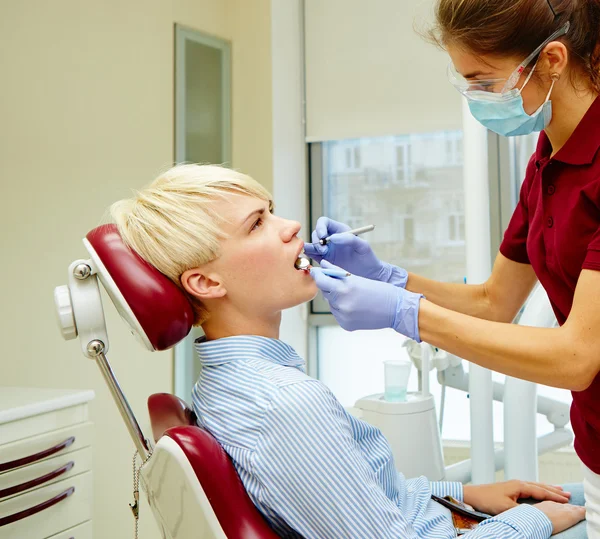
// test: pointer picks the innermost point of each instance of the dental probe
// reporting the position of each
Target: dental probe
(355, 231)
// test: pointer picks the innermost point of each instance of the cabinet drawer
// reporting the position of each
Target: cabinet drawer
(45, 472)
(44, 443)
(38, 424)
(49, 510)
(83, 531)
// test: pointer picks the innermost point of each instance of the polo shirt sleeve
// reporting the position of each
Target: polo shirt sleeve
(592, 258)
(514, 244)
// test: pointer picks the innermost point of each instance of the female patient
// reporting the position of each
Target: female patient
(312, 469)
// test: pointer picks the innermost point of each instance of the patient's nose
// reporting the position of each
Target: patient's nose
(289, 230)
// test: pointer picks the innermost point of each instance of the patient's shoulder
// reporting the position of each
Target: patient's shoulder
(278, 375)
(306, 398)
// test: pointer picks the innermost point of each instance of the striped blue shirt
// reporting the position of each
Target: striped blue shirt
(311, 468)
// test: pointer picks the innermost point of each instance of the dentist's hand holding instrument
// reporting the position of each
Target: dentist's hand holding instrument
(374, 296)
(360, 303)
(350, 252)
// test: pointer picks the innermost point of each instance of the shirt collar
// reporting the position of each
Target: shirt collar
(583, 144)
(243, 347)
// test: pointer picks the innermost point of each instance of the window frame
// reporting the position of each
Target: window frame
(184, 366)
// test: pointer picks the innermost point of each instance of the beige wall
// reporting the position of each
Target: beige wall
(252, 92)
(86, 114)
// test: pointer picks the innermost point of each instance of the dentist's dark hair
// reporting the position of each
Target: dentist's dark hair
(518, 27)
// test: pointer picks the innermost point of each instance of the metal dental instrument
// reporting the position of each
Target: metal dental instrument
(355, 231)
(303, 263)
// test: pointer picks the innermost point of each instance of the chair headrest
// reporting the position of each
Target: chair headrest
(154, 308)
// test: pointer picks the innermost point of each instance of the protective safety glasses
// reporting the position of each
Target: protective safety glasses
(501, 87)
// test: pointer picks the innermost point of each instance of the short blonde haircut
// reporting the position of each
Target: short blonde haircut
(172, 223)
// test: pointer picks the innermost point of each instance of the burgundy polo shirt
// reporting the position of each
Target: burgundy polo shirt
(556, 229)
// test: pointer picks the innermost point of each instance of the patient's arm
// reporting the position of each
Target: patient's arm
(315, 477)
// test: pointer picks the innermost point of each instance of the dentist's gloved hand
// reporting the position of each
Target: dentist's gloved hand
(351, 253)
(359, 303)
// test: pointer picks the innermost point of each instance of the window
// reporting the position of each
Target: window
(352, 156)
(420, 225)
(455, 231)
(402, 164)
(411, 221)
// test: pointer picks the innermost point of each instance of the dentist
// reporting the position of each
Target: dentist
(523, 66)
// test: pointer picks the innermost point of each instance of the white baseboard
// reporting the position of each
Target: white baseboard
(556, 468)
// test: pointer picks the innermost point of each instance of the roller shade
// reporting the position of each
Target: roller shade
(368, 73)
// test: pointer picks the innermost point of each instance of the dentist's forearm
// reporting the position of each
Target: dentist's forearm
(548, 356)
(467, 299)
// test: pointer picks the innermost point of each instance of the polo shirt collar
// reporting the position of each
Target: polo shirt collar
(583, 144)
(244, 347)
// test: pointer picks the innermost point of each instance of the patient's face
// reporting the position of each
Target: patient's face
(257, 258)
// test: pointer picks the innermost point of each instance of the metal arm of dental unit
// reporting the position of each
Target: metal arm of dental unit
(522, 447)
(80, 313)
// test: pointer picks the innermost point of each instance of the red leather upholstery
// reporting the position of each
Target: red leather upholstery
(158, 304)
(166, 317)
(236, 513)
(168, 411)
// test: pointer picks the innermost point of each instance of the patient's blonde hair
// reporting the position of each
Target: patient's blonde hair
(172, 224)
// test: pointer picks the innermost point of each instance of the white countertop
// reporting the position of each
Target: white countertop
(21, 402)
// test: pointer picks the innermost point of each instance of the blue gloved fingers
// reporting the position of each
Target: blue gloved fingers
(322, 249)
(326, 227)
(314, 237)
(325, 283)
(359, 245)
(312, 251)
(328, 265)
(361, 303)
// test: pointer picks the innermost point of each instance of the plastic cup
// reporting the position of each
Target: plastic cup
(396, 374)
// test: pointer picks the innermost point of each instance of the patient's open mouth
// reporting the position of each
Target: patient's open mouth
(302, 262)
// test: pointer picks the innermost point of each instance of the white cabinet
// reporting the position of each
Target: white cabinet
(45, 464)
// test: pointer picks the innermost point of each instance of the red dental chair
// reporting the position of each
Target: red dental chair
(190, 482)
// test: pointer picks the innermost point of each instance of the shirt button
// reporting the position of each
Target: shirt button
(550, 222)
(551, 189)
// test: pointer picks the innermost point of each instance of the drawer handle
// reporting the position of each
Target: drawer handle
(38, 456)
(36, 482)
(5, 521)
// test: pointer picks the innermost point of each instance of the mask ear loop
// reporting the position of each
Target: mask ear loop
(554, 77)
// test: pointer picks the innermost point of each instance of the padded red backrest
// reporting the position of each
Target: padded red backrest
(168, 411)
(234, 509)
(159, 306)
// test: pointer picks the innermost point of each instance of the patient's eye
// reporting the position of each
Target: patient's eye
(257, 224)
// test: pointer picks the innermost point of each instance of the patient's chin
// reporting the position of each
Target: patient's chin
(303, 294)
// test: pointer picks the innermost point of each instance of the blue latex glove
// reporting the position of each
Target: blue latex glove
(351, 253)
(359, 303)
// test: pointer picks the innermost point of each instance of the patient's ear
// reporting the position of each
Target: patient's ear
(202, 285)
